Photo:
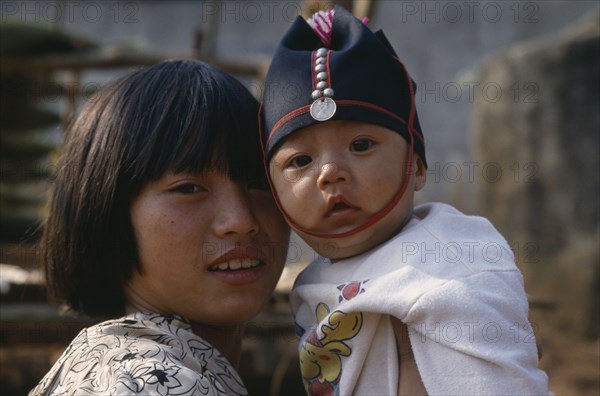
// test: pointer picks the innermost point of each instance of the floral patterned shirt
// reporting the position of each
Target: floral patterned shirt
(141, 354)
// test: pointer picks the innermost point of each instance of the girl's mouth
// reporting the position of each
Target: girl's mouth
(235, 264)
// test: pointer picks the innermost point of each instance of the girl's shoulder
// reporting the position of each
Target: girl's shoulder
(140, 353)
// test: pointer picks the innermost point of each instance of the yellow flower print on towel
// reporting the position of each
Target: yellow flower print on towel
(321, 358)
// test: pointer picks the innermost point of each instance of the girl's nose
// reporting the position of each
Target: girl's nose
(233, 216)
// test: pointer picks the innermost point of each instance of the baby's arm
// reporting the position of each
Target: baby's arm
(410, 382)
(472, 336)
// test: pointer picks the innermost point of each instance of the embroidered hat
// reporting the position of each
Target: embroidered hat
(349, 73)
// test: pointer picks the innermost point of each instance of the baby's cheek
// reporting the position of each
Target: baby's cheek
(289, 201)
(302, 190)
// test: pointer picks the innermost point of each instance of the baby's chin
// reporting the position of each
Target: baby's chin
(342, 248)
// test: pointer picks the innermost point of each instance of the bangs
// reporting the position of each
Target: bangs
(194, 118)
(228, 145)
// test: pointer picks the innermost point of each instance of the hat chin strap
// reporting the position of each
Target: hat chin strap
(371, 221)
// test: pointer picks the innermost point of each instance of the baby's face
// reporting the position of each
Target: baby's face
(333, 177)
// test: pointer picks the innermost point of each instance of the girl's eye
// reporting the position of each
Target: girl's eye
(300, 161)
(188, 188)
(361, 145)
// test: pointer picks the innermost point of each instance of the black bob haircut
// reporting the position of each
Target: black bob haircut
(176, 116)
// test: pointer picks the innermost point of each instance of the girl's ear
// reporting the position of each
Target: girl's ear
(420, 173)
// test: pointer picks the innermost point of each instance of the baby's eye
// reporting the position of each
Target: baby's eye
(361, 145)
(300, 161)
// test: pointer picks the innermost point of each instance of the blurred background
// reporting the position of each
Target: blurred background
(508, 94)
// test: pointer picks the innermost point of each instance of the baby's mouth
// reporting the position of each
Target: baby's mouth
(339, 206)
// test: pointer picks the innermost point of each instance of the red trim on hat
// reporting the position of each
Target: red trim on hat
(328, 69)
(349, 102)
(313, 61)
(411, 116)
(287, 117)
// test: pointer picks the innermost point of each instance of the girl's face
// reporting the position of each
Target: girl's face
(210, 249)
(333, 177)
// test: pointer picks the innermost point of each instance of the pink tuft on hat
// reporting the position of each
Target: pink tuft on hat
(322, 24)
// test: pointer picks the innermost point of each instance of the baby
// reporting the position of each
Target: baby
(402, 299)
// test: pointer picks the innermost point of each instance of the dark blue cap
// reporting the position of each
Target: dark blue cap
(369, 82)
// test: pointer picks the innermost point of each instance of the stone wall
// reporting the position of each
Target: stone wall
(539, 145)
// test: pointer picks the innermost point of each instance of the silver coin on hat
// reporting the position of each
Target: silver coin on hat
(323, 109)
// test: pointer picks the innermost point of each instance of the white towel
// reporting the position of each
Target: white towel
(452, 279)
